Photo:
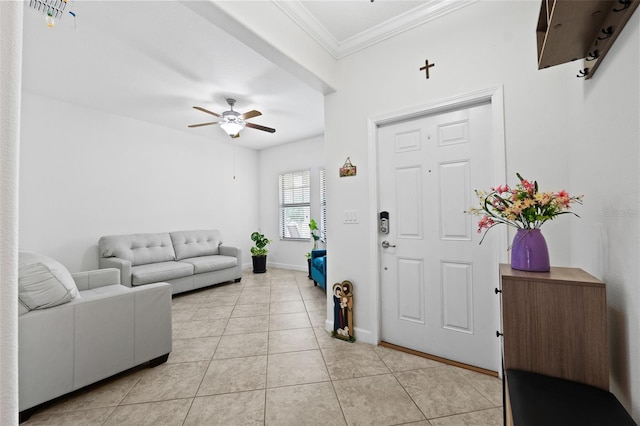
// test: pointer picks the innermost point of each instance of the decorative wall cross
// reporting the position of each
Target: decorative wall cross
(426, 67)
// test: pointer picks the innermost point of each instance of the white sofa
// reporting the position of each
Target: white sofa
(77, 329)
(186, 259)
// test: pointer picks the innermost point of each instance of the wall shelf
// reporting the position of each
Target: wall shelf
(569, 30)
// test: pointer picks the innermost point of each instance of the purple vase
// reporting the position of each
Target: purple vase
(529, 251)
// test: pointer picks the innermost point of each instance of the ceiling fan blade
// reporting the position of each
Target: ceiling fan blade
(250, 114)
(259, 127)
(206, 110)
(203, 124)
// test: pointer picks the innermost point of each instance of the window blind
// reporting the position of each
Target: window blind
(295, 205)
(323, 206)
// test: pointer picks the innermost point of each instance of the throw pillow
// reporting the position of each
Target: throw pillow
(43, 282)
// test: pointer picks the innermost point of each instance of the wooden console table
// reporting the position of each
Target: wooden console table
(555, 323)
(555, 349)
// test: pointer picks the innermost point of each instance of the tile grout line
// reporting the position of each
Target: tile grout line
(205, 371)
(409, 395)
(331, 379)
(266, 373)
(208, 364)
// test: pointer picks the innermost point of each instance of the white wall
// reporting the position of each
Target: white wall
(304, 155)
(483, 45)
(604, 160)
(478, 47)
(84, 174)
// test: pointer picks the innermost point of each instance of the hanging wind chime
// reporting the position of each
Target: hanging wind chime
(52, 9)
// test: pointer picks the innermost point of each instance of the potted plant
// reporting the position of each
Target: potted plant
(259, 252)
(313, 226)
(315, 232)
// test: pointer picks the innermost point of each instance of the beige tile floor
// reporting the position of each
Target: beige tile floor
(256, 352)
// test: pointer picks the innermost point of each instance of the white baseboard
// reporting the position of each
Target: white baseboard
(288, 266)
(246, 266)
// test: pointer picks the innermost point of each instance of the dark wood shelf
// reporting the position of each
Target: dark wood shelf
(569, 30)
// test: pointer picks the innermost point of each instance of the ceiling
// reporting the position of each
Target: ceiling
(154, 60)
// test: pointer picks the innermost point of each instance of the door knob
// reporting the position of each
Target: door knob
(385, 244)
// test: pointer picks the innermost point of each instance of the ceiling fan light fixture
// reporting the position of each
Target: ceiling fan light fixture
(232, 122)
(232, 127)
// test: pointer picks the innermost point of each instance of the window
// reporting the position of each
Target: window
(295, 205)
(323, 206)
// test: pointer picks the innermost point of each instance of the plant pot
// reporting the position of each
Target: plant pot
(309, 268)
(529, 251)
(259, 264)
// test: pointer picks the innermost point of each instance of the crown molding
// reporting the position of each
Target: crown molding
(309, 24)
(428, 11)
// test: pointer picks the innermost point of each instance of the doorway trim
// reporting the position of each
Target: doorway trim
(494, 95)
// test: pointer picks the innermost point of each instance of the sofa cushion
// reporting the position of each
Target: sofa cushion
(318, 263)
(189, 244)
(211, 263)
(43, 282)
(158, 272)
(139, 249)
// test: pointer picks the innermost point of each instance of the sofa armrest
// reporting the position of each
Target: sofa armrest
(152, 321)
(230, 251)
(98, 278)
(318, 253)
(123, 265)
(117, 328)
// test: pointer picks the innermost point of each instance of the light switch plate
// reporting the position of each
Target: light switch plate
(351, 216)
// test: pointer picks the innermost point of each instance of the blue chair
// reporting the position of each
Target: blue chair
(319, 268)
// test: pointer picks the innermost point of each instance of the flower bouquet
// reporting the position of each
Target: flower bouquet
(526, 208)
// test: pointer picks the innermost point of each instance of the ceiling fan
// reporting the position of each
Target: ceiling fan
(232, 121)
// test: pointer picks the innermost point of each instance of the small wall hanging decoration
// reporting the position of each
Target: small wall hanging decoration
(426, 67)
(343, 311)
(347, 169)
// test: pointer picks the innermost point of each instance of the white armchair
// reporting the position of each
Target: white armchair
(110, 328)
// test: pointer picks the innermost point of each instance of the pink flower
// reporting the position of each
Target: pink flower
(484, 222)
(528, 186)
(563, 198)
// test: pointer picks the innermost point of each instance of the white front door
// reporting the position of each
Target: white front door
(437, 282)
